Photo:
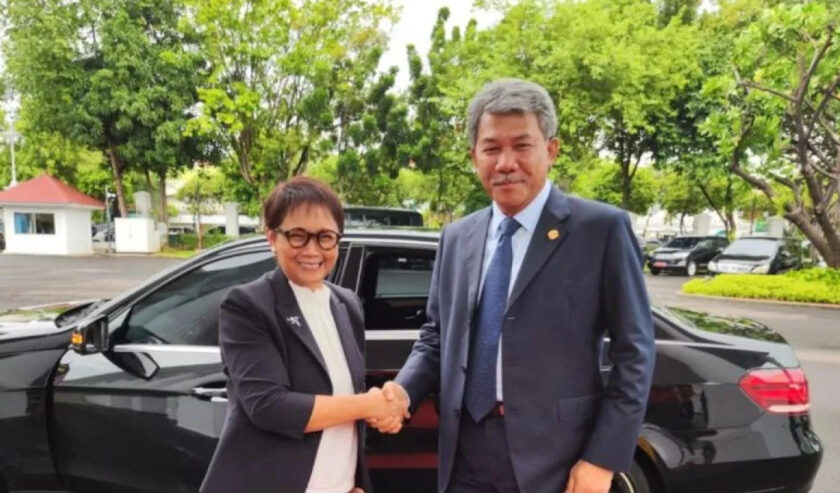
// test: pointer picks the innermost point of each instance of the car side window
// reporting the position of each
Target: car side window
(395, 288)
(706, 244)
(186, 310)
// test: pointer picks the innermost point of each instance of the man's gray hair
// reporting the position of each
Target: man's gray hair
(505, 96)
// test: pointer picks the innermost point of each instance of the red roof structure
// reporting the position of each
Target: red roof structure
(46, 190)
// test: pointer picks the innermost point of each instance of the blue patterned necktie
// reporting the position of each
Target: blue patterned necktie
(480, 391)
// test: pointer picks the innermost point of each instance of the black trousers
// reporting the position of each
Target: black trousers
(482, 461)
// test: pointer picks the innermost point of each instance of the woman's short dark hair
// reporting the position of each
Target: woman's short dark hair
(301, 191)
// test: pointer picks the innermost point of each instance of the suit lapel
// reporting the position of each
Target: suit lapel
(549, 234)
(475, 242)
(355, 361)
(290, 314)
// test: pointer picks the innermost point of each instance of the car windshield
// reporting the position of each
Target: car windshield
(685, 242)
(753, 247)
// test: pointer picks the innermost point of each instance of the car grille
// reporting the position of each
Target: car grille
(734, 268)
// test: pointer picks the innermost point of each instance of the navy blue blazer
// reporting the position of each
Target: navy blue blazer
(580, 281)
(274, 370)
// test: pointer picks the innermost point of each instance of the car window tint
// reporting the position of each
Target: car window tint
(395, 288)
(186, 310)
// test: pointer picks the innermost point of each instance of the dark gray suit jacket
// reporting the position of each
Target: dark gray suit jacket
(275, 369)
(580, 281)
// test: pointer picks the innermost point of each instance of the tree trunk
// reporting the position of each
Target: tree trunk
(815, 236)
(116, 169)
(730, 224)
(625, 187)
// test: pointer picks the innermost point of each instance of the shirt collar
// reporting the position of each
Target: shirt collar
(321, 295)
(527, 217)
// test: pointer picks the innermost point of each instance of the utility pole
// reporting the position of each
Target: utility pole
(11, 137)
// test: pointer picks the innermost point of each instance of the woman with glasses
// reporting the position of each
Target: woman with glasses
(292, 346)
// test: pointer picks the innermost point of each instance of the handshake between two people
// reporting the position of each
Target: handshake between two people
(390, 408)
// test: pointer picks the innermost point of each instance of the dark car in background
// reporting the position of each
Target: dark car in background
(128, 394)
(243, 230)
(686, 254)
(758, 255)
(363, 216)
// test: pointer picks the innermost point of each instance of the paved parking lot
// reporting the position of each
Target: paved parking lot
(814, 332)
(27, 280)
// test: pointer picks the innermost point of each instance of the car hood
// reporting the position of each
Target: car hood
(35, 328)
(671, 250)
(743, 259)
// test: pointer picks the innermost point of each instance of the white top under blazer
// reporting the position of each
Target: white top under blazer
(334, 470)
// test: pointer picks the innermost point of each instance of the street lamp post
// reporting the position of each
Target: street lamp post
(11, 137)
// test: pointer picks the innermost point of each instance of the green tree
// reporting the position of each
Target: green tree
(105, 75)
(612, 69)
(202, 192)
(285, 79)
(603, 182)
(779, 112)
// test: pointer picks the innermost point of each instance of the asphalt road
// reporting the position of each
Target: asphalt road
(813, 332)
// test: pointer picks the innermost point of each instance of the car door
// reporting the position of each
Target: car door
(146, 415)
(393, 285)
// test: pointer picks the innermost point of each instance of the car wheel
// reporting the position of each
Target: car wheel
(633, 481)
(654, 271)
(691, 268)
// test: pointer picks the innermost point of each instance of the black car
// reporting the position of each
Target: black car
(758, 255)
(243, 230)
(128, 395)
(686, 254)
(370, 216)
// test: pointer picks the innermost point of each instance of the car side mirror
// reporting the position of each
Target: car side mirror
(139, 364)
(91, 337)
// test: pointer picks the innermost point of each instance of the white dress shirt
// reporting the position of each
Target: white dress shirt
(527, 219)
(334, 470)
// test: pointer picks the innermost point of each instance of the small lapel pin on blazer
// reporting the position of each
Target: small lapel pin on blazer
(293, 320)
(553, 234)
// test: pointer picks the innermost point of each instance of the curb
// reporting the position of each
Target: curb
(825, 306)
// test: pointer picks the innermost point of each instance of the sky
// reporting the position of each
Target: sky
(415, 27)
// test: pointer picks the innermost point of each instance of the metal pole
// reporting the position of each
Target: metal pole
(14, 170)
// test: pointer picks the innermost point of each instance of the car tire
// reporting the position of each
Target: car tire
(633, 481)
(691, 268)
(654, 271)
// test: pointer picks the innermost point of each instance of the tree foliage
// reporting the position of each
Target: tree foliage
(779, 114)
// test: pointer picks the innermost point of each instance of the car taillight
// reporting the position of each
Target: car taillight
(779, 391)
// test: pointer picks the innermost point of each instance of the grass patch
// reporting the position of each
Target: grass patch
(816, 285)
(169, 252)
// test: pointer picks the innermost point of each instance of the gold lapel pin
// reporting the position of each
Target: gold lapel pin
(553, 234)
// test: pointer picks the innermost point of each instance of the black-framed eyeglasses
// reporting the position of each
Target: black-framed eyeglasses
(326, 239)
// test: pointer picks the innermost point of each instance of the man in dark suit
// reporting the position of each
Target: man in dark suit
(523, 294)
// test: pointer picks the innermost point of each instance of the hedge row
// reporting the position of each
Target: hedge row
(189, 241)
(816, 285)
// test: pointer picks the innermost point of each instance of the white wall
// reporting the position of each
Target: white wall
(77, 229)
(72, 232)
(136, 235)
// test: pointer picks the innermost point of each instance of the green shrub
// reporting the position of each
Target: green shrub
(817, 285)
(189, 241)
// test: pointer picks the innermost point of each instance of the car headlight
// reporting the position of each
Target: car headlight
(713, 266)
(761, 269)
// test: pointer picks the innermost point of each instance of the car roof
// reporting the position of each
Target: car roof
(767, 238)
(384, 234)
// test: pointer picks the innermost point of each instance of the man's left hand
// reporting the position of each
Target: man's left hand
(586, 477)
